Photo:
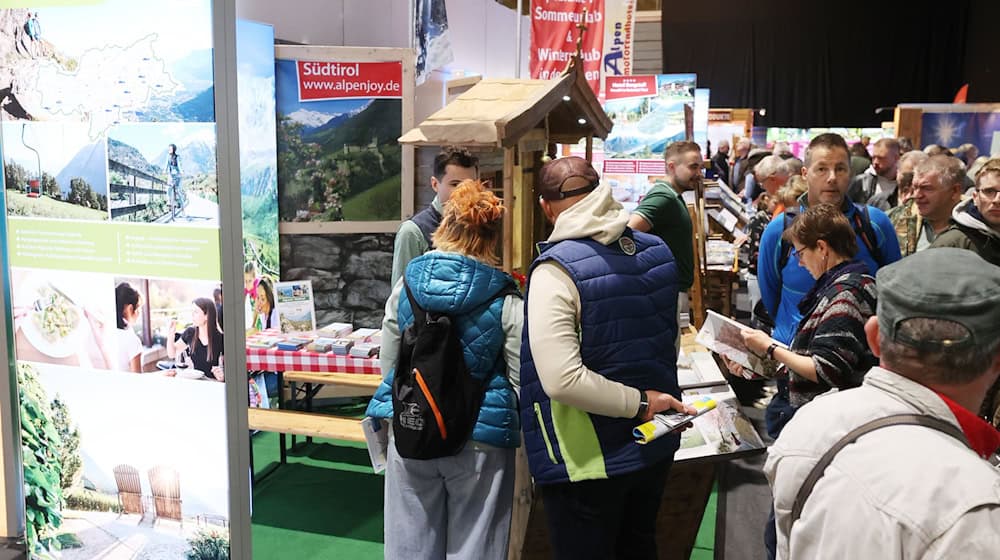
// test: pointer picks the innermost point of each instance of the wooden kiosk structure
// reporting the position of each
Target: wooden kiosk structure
(521, 119)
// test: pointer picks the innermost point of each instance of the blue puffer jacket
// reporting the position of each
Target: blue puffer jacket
(461, 287)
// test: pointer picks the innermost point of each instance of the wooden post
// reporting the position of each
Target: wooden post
(508, 201)
(590, 148)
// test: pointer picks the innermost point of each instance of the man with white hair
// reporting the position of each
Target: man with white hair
(771, 174)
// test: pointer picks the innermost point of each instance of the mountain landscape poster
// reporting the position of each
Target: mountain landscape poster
(338, 121)
(54, 170)
(163, 173)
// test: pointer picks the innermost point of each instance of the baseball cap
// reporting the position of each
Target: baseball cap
(949, 284)
(557, 172)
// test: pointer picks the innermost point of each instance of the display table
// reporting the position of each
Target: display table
(272, 359)
(314, 371)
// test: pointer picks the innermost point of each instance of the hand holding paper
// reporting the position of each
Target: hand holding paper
(662, 424)
(660, 402)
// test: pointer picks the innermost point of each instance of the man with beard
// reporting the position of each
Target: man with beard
(664, 213)
(877, 185)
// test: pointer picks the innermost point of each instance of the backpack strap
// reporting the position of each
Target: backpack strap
(863, 226)
(895, 420)
(788, 218)
(419, 314)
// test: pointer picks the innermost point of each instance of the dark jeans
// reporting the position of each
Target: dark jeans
(610, 518)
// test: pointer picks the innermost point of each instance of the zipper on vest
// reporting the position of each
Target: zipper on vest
(545, 434)
(433, 404)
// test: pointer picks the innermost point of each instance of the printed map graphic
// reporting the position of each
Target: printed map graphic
(108, 83)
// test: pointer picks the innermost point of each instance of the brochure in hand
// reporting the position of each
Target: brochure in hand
(722, 335)
(666, 422)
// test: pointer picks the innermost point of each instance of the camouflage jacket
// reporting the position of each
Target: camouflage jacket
(908, 223)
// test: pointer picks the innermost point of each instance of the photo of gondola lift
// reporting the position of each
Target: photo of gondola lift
(33, 188)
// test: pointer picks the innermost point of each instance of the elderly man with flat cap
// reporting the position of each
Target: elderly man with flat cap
(900, 467)
(597, 359)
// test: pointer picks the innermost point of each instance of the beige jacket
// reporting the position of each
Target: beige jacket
(899, 492)
(554, 315)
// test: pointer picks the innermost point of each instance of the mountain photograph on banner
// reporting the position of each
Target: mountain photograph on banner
(163, 173)
(54, 170)
(648, 113)
(338, 159)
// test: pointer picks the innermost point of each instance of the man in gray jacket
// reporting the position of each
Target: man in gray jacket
(877, 185)
(850, 483)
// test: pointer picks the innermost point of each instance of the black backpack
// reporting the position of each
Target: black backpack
(435, 399)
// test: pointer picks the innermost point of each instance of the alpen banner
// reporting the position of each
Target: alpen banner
(554, 32)
(619, 34)
(320, 81)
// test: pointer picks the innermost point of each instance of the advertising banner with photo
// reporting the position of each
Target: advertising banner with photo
(111, 198)
(258, 184)
(619, 39)
(340, 111)
(648, 114)
(555, 30)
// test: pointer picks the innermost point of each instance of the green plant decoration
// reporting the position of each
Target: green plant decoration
(208, 545)
(40, 444)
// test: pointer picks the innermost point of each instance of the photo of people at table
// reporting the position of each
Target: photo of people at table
(169, 327)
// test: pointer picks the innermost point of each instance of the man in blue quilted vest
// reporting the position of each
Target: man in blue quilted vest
(597, 358)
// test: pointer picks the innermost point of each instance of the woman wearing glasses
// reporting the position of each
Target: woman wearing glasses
(829, 349)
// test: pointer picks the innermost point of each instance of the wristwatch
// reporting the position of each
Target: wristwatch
(643, 405)
(771, 349)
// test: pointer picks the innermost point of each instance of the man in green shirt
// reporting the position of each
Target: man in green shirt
(452, 166)
(663, 212)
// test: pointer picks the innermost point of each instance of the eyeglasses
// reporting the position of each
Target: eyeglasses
(796, 252)
(989, 194)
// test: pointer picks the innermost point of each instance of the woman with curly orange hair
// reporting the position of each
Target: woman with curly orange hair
(458, 506)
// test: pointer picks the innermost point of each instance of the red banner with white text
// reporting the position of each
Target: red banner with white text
(554, 32)
(349, 80)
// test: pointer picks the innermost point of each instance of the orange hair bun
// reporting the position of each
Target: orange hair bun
(474, 205)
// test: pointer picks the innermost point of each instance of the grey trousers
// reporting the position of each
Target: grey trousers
(452, 508)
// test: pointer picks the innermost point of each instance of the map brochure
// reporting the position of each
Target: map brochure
(722, 335)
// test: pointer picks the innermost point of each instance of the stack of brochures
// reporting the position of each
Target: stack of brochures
(364, 350)
(293, 343)
(342, 346)
(337, 330)
(321, 345)
(262, 342)
(363, 335)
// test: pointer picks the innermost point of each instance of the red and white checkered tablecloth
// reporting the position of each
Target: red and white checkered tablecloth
(272, 359)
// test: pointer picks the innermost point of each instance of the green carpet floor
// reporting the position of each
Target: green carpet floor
(326, 503)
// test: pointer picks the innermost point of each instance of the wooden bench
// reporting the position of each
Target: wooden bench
(306, 424)
(355, 380)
